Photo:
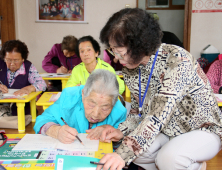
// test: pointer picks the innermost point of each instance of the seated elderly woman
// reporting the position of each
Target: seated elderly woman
(88, 50)
(92, 106)
(17, 72)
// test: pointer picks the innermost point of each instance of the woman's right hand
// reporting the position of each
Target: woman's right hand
(111, 134)
(3, 88)
(62, 69)
(67, 134)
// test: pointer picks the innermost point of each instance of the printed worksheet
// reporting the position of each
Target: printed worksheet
(41, 142)
(89, 145)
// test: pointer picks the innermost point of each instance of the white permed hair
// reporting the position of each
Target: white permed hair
(103, 82)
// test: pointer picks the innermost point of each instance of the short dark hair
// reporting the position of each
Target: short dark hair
(135, 29)
(14, 46)
(94, 43)
(69, 43)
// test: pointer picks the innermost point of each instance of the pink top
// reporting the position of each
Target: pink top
(214, 75)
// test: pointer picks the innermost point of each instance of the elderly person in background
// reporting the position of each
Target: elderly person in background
(175, 122)
(61, 58)
(17, 72)
(88, 108)
(88, 50)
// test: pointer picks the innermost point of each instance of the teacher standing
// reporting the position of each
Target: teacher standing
(174, 122)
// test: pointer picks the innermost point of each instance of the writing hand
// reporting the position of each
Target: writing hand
(96, 132)
(3, 88)
(70, 71)
(111, 161)
(62, 69)
(111, 134)
(67, 134)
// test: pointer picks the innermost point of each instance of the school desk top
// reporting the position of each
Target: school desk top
(20, 103)
(33, 160)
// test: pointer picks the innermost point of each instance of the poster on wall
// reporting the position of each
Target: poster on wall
(68, 11)
(207, 6)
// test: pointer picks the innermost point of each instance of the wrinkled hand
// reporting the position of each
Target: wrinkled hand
(96, 132)
(25, 90)
(62, 69)
(3, 88)
(70, 71)
(67, 134)
(111, 134)
(111, 161)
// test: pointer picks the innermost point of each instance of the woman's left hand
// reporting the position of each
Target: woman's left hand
(25, 90)
(70, 71)
(96, 132)
(111, 161)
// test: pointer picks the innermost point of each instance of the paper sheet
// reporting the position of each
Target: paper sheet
(89, 145)
(54, 75)
(54, 97)
(36, 142)
(41, 142)
(11, 95)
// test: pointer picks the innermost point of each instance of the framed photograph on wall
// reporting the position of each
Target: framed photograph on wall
(66, 11)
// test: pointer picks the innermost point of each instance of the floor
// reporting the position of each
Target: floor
(213, 164)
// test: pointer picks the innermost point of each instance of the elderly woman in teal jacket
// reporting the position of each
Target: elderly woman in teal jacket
(86, 109)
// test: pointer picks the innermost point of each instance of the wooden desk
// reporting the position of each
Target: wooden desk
(20, 103)
(127, 91)
(44, 100)
(39, 163)
(63, 80)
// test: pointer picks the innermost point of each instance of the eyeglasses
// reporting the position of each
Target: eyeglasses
(12, 61)
(119, 56)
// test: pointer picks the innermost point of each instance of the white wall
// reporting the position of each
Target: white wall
(169, 20)
(40, 37)
(206, 28)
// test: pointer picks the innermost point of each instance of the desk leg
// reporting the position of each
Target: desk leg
(21, 117)
(64, 83)
(33, 109)
(127, 93)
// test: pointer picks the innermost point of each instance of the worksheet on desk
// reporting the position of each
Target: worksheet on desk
(36, 142)
(55, 75)
(89, 145)
(42, 142)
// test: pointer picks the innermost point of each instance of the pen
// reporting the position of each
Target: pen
(1, 83)
(98, 163)
(76, 136)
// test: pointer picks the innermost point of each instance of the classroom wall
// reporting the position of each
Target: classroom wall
(206, 27)
(40, 37)
(169, 20)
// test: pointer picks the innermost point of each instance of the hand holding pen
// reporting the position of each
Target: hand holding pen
(62, 69)
(3, 88)
(70, 135)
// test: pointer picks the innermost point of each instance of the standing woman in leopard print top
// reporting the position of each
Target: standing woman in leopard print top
(174, 122)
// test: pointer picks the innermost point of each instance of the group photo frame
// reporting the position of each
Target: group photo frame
(65, 11)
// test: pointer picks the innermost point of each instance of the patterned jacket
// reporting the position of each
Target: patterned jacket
(179, 99)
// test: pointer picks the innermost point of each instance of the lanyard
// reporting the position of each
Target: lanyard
(70, 63)
(147, 86)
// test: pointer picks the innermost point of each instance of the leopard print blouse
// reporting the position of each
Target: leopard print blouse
(179, 100)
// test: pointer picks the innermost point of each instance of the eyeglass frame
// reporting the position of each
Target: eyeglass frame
(119, 56)
(12, 61)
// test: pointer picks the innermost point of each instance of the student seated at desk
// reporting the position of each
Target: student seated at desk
(61, 58)
(93, 106)
(17, 72)
(88, 50)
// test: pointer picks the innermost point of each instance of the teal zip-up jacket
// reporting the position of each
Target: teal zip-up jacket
(70, 107)
(80, 74)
